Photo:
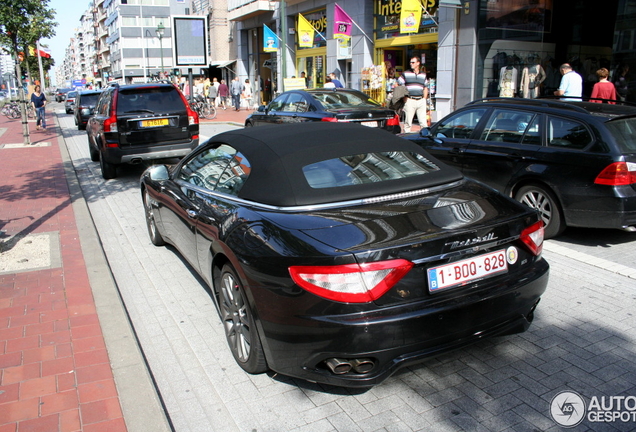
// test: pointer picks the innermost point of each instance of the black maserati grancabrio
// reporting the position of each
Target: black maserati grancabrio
(339, 253)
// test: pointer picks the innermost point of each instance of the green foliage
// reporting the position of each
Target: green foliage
(24, 22)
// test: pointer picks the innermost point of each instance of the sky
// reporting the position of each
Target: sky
(67, 15)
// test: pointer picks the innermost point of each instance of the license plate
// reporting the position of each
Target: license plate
(370, 123)
(460, 272)
(154, 123)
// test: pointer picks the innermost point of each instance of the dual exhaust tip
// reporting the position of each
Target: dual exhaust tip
(342, 366)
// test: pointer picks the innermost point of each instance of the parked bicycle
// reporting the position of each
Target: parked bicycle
(203, 107)
(12, 110)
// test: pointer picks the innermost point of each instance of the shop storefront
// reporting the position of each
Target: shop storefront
(521, 44)
(311, 52)
(396, 43)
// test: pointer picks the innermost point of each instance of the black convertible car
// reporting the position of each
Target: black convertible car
(339, 253)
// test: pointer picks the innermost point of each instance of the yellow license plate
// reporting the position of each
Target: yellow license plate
(154, 123)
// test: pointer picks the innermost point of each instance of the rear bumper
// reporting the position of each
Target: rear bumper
(119, 155)
(611, 209)
(395, 337)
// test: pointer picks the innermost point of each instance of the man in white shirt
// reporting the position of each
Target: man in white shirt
(571, 84)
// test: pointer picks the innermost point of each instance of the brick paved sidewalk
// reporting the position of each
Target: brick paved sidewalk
(55, 372)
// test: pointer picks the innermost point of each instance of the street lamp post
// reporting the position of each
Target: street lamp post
(160, 30)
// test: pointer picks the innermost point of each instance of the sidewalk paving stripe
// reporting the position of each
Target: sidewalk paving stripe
(592, 260)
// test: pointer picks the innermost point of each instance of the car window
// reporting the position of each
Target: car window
(89, 99)
(367, 168)
(295, 103)
(71, 94)
(567, 134)
(460, 125)
(277, 104)
(221, 169)
(163, 99)
(331, 100)
(624, 131)
(510, 126)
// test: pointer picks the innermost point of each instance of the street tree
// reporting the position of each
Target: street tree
(23, 23)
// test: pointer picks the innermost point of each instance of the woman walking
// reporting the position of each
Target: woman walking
(38, 100)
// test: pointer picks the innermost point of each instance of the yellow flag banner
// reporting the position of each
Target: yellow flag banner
(32, 51)
(410, 16)
(305, 32)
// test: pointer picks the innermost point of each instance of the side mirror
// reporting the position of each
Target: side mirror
(425, 132)
(158, 173)
(261, 108)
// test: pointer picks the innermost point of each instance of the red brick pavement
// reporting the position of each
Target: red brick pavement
(55, 373)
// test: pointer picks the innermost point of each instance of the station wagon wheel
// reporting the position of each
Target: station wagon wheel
(238, 322)
(547, 205)
(153, 231)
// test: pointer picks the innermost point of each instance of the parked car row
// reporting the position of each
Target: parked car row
(305, 230)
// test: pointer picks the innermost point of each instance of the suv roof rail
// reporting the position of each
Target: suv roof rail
(538, 102)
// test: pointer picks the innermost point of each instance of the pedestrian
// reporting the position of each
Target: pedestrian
(236, 89)
(38, 100)
(329, 84)
(415, 82)
(247, 94)
(571, 84)
(620, 82)
(224, 92)
(335, 80)
(603, 89)
(213, 92)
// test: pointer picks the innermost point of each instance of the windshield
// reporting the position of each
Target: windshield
(334, 100)
(624, 131)
(72, 94)
(90, 99)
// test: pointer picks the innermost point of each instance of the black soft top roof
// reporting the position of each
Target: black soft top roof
(277, 155)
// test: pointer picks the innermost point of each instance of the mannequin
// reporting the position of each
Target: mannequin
(508, 81)
(531, 79)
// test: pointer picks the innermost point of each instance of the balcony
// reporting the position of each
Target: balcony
(239, 10)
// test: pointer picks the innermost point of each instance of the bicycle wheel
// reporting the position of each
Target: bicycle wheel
(207, 112)
(15, 113)
(30, 113)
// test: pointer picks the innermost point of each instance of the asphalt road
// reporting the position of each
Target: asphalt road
(583, 339)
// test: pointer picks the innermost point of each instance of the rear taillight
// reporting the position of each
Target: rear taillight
(193, 117)
(329, 119)
(110, 124)
(532, 237)
(395, 121)
(617, 174)
(351, 283)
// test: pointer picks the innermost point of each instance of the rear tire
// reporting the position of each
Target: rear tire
(546, 203)
(238, 322)
(109, 170)
(93, 151)
(153, 231)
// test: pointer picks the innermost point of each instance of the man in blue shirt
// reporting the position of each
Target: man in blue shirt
(335, 80)
(571, 84)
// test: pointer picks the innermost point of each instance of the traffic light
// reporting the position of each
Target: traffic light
(177, 71)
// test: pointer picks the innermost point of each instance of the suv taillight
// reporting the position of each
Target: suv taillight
(617, 174)
(395, 121)
(110, 124)
(193, 117)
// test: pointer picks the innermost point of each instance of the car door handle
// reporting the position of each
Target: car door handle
(456, 150)
(191, 213)
(516, 156)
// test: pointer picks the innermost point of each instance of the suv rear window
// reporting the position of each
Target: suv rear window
(164, 99)
(89, 99)
(624, 131)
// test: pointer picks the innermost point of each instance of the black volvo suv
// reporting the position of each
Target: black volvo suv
(138, 122)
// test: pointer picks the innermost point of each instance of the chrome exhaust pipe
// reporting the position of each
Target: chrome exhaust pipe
(629, 228)
(363, 365)
(338, 366)
(136, 161)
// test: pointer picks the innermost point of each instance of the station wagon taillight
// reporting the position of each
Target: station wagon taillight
(351, 283)
(617, 174)
(395, 121)
(329, 119)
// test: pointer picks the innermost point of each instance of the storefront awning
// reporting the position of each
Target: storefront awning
(222, 63)
(450, 3)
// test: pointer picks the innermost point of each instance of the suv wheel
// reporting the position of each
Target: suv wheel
(109, 170)
(93, 151)
(545, 202)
